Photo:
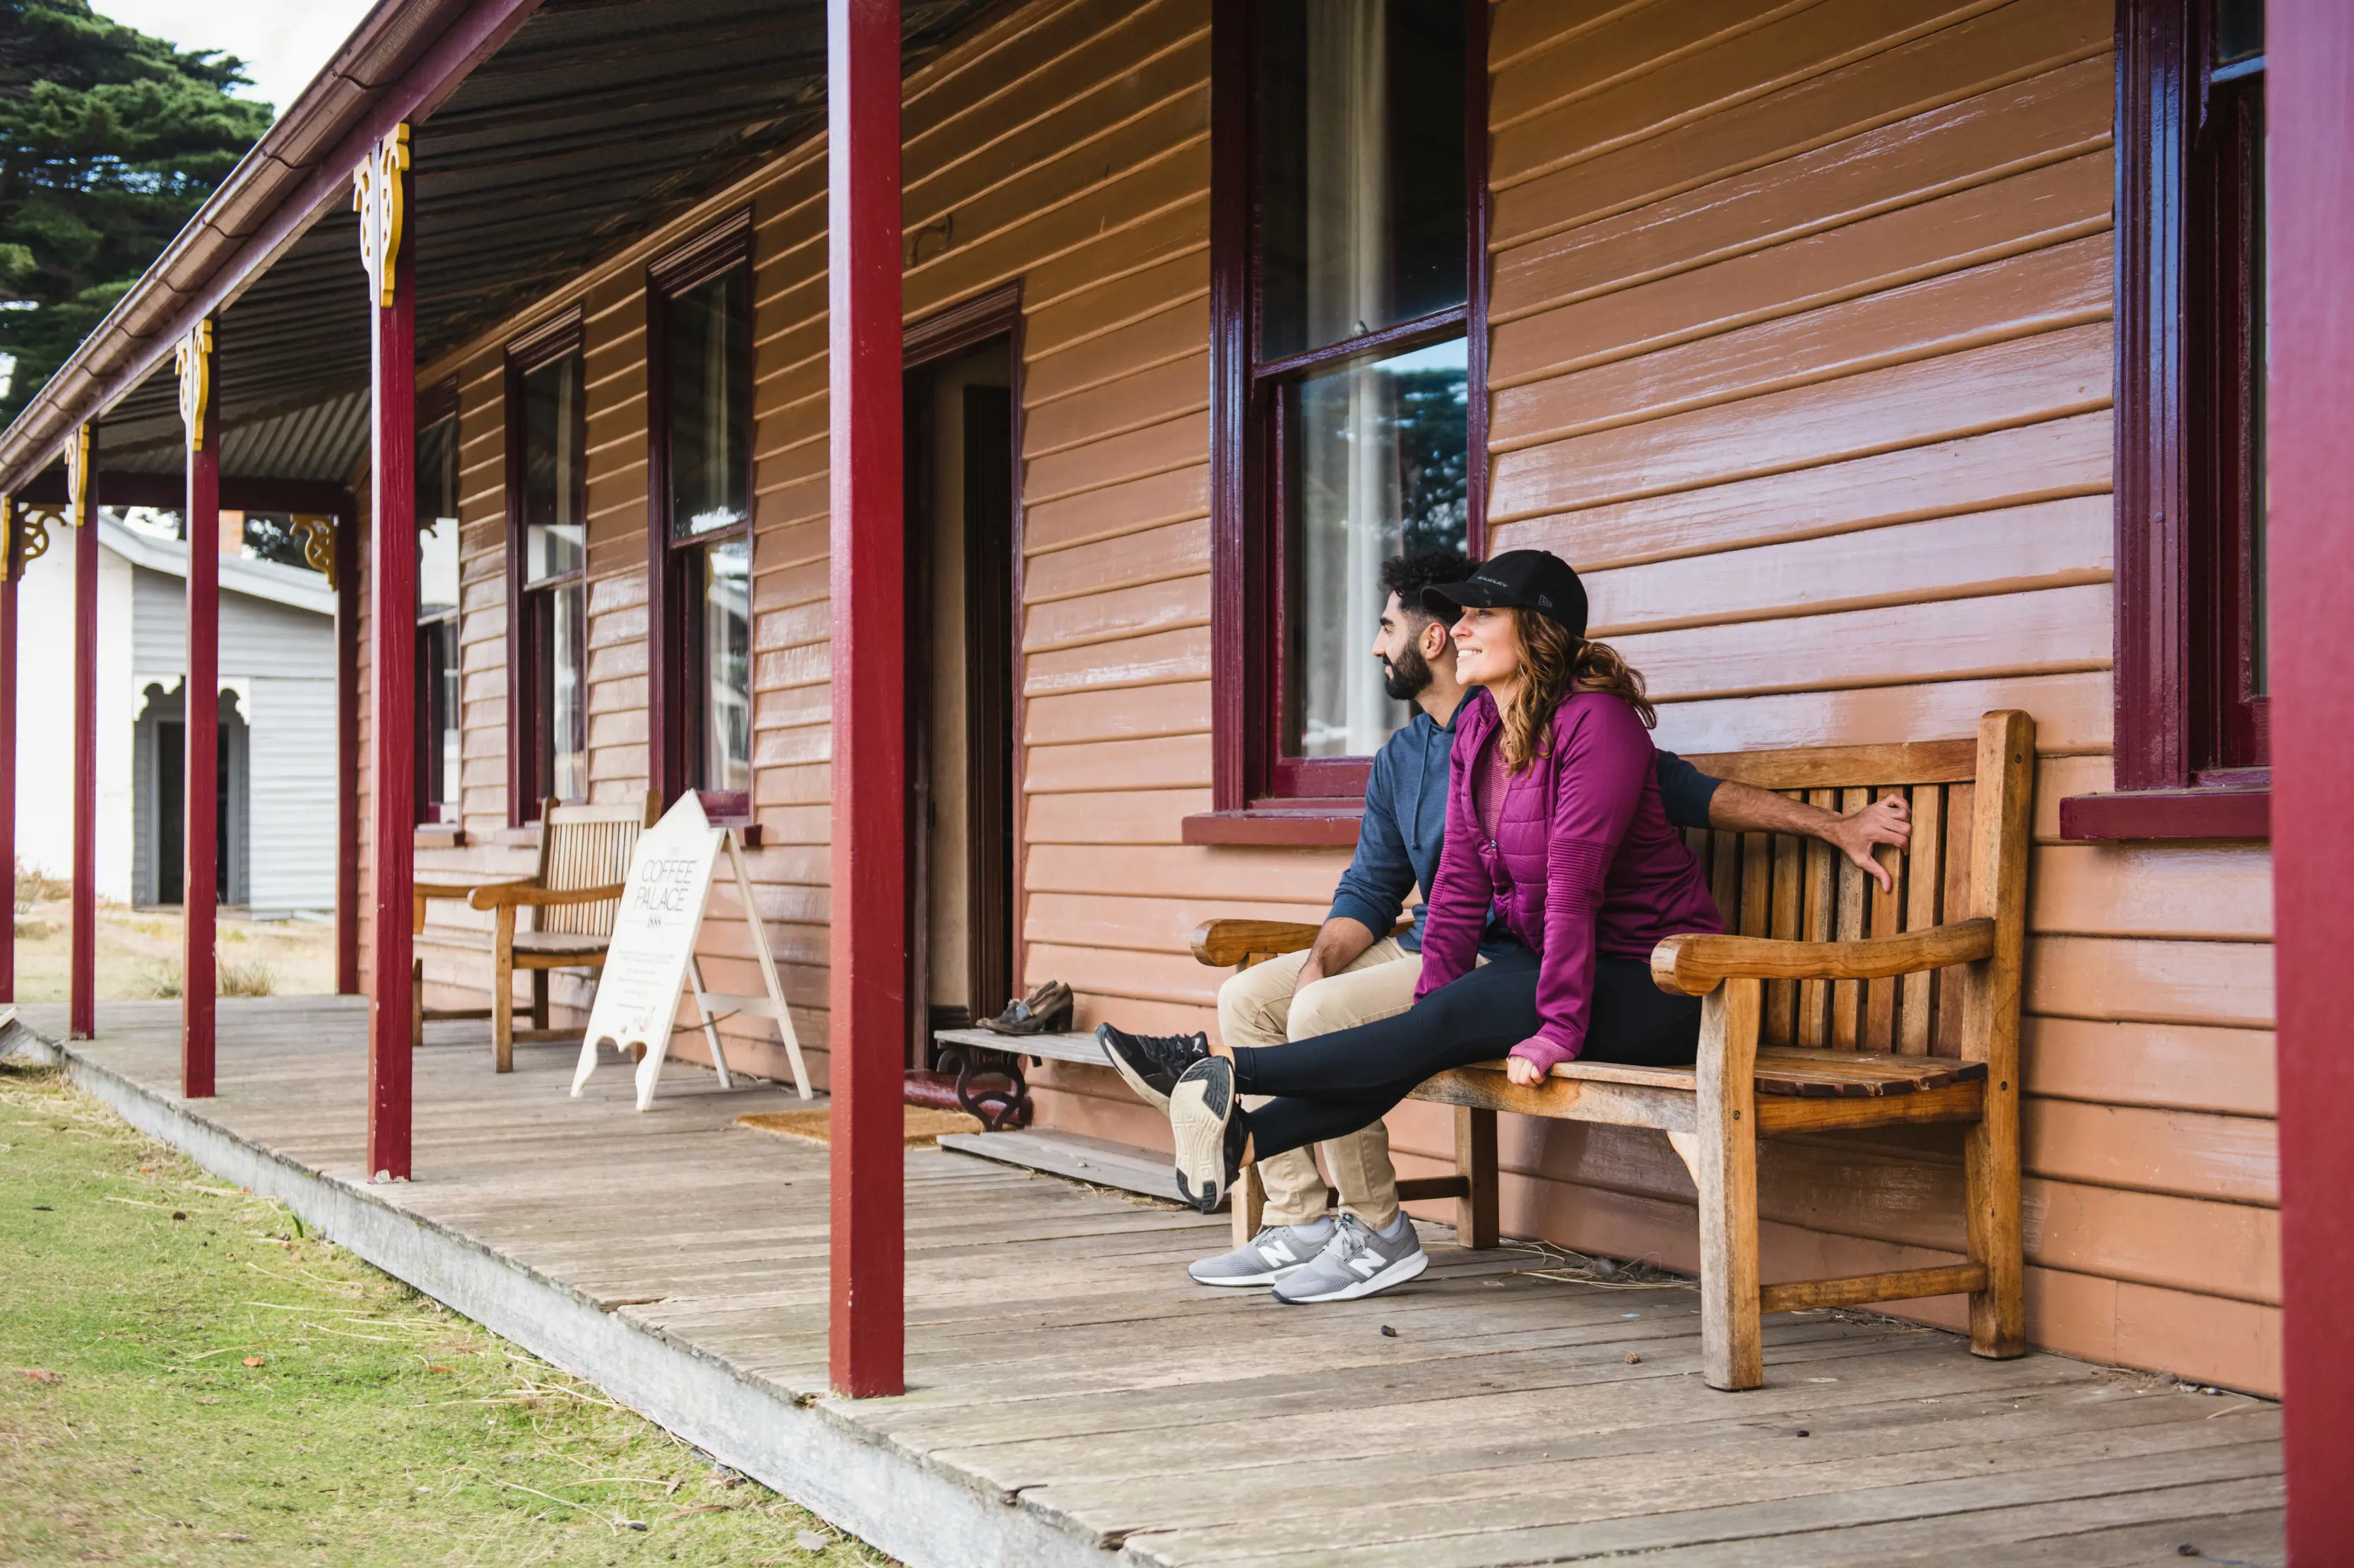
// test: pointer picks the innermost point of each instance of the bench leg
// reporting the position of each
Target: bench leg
(1246, 1204)
(1990, 1176)
(1475, 1213)
(502, 993)
(539, 999)
(415, 1004)
(1732, 1352)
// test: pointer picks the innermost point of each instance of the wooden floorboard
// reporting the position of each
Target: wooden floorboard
(1060, 1363)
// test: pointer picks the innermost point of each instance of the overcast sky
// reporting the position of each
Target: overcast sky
(282, 42)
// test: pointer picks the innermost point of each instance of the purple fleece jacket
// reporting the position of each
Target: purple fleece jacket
(1584, 863)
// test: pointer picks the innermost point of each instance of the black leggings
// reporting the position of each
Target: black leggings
(1330, 1084)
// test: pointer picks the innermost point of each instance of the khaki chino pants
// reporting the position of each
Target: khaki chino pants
(1258, 1008)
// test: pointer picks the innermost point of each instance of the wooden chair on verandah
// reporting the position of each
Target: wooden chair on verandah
(559, 918)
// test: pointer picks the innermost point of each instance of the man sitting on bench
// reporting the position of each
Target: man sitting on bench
(1357, 971)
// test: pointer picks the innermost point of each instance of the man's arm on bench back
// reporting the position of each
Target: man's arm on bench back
(1694, 800)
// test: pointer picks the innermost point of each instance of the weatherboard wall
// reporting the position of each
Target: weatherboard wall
(1801, 349)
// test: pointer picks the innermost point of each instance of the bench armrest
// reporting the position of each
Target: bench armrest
(460, 891)
(521, 893)
(1695, 965)
(1222, 943)
(1226, 943)
(421, 891)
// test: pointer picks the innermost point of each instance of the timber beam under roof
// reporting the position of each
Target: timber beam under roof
(168, 493)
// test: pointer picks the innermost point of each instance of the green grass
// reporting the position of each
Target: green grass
(218, 1387)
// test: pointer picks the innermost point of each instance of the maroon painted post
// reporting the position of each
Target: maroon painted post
(389, 247)
(866, 1330)
(2310, 90)
(200, 780)
(13, 540)
(347, 750)
(81, 1010)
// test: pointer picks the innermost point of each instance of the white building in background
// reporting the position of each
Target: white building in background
(277, 714)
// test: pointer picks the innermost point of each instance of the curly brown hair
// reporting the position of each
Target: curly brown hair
(1555, 662)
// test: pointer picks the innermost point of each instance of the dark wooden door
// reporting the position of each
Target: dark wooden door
(988, 663)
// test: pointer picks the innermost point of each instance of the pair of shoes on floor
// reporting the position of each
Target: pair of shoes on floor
(1151, 1064)
(1339, 1260)
(1045, 1010)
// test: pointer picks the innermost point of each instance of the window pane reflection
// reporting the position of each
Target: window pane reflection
(436, 617)
(555, 434)
(563, 670)
(2260, 348)
(1360, 145)
(727, 665)
(437, 518)
(2239, 30)
(1376, 469)
(710, 404)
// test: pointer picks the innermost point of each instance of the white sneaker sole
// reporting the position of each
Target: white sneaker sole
(1198, 1109)
(1398, 1272)
(1250, 1281)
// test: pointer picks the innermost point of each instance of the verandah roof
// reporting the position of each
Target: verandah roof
(594, 123)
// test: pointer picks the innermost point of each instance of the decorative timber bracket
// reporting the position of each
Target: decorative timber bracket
(28, 533)
(77, 473)
(318, 535)
(376, 194)
(193, 362)
(23, 537)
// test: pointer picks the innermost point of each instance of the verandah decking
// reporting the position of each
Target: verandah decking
(1071, 1395)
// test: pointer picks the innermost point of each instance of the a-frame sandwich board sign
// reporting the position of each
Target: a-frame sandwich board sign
(652, 953)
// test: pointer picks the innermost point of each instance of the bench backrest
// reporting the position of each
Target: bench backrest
(1971, 809)
(586, 845)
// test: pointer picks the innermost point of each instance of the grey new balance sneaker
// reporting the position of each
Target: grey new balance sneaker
(1275, 1252)
(1358, 1261)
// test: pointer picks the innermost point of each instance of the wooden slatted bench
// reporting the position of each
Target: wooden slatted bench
(571, 898)
(1827, 1004)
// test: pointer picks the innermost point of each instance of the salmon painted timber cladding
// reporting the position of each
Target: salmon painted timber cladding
(1801, 347)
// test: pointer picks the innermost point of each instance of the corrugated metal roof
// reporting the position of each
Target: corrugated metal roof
(325, 440)
(596, 123)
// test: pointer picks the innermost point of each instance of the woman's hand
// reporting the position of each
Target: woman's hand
(1523, 1072)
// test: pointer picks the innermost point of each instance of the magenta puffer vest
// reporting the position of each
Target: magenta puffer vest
(1582, 863)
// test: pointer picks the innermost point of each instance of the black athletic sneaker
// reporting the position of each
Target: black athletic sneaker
(1151, 1062)
(1211, 1131)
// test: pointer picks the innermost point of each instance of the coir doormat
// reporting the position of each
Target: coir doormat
(922, 1125)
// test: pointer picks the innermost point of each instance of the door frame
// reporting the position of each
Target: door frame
(949, 331)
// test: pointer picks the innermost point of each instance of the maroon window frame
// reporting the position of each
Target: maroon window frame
(675, 640)
(529, 732)
(2192, 733)
(1258, 794)
(437, 634)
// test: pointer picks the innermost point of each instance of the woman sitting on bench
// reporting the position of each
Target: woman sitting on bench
(1554, 816)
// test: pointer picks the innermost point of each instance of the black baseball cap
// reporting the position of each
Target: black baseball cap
(1517, 579)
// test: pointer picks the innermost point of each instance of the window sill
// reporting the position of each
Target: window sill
(747, 830)
(1309, 824)
(2167, 814)
(441, 836)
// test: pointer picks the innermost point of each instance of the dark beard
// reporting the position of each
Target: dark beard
(1406, 677)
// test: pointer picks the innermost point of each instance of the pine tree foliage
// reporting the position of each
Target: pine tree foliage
(109, 141)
